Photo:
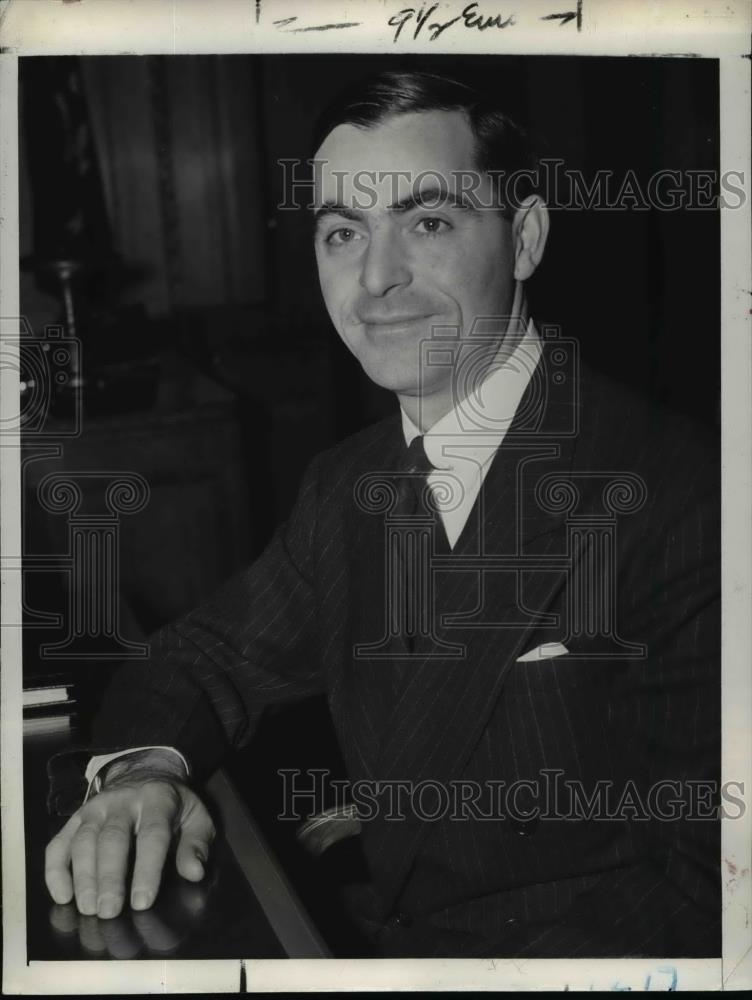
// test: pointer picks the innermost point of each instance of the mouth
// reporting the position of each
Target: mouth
(392, 323)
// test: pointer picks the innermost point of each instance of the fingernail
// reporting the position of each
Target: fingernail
(108, 906)
(87, 903)
(140, 900)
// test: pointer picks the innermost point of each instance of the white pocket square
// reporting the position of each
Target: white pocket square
(545, 652)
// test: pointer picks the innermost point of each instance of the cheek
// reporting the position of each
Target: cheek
(489, 278)
(338, 281)
(332, 292)
(477, 281)
(492, 287)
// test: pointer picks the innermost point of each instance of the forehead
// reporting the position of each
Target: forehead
(388, 158)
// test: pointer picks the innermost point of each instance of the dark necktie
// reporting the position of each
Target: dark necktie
(414, 491)
(414, 484)
(414, 502)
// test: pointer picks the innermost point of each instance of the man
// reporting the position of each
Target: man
(541, 611)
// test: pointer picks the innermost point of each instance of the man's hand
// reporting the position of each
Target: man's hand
(89, 857)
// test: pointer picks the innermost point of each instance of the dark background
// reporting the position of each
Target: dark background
(209, 364)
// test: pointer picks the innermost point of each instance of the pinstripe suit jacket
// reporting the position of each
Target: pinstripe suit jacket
(284, 629)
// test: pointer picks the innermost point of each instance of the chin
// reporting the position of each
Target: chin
(392, 377)
(404, 380)
(395, 367)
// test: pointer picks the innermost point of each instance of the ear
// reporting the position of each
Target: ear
(530, 232)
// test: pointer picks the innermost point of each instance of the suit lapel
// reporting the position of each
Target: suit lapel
(366, 682)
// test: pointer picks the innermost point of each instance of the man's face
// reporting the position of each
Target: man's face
(395, 263)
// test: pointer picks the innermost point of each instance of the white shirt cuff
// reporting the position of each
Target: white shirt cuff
(99, 761)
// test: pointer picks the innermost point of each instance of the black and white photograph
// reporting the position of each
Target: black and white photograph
(375, 444)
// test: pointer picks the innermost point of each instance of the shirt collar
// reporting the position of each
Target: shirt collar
(474, 429)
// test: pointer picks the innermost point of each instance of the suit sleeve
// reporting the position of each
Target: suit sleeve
(210, 675)
(666, 717)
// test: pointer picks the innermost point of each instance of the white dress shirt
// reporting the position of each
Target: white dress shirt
(462, 444)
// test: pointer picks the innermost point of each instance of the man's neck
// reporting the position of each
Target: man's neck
(428, 409)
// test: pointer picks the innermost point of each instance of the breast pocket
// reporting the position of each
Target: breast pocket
(559, 712)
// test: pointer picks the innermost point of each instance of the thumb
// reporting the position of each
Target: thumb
(195, 834)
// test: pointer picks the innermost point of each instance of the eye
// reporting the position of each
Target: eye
(432, 226)
(339, 237)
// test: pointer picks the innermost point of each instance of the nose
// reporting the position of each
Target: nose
(384, 265)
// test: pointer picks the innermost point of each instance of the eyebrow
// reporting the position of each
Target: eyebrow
(336, 208)
(434, 197)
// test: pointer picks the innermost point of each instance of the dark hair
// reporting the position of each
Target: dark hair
(501, 146)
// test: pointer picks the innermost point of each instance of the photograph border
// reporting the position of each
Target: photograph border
(689, 29)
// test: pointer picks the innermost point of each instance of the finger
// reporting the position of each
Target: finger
(121, 939)
(90, 935)
(64, 919)
(190, 899)
(64, 929)
(57, 862)
(155, 932)
(196, 835)
(152, 844)
(113, 848)
(84, 862)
